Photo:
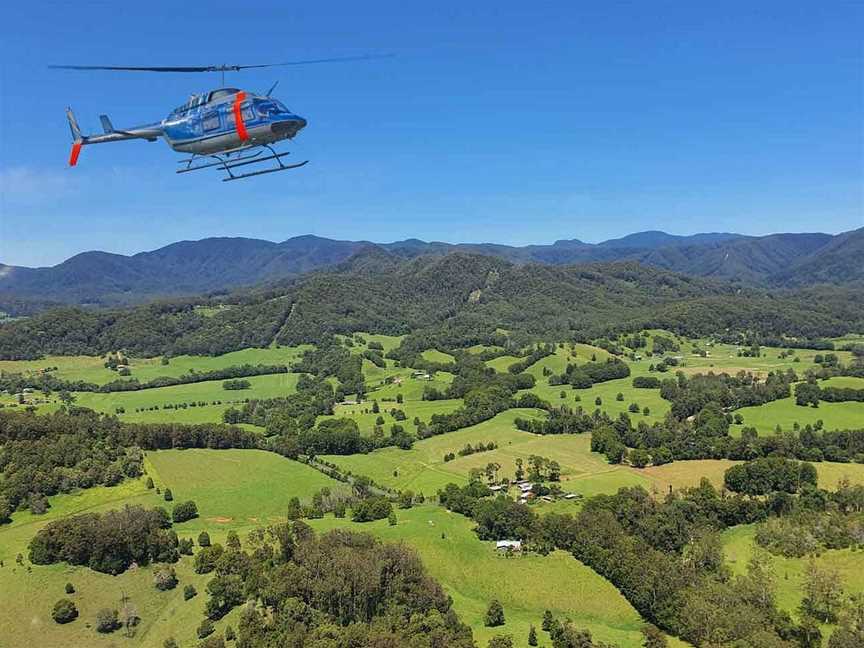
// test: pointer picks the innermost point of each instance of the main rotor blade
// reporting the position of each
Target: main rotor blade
(126, 68)
(339, 59)
(216, 68)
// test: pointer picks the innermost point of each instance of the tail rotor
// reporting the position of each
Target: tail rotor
(78, 139)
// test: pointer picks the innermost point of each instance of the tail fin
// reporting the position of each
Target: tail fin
(77, 138)
(107, 126)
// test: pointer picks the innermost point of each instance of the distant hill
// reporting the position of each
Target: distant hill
(439, 301)
(215, 265)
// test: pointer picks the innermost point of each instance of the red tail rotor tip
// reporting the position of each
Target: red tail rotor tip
(76, 151)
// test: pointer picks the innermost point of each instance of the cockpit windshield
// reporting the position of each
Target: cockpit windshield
(271, 107)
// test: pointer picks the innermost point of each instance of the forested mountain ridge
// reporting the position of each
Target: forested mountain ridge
(449, 300)
(222, 264)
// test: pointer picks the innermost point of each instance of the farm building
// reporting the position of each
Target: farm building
(509, 545)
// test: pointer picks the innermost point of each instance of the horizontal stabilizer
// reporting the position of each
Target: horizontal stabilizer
(106, 124)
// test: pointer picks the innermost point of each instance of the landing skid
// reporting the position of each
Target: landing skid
(227, 164)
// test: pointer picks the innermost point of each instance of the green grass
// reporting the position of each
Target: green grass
(680, 474)
(234, 488)
(434, 355)
(473, 574)
(92, 369)
(785, 413)
(423, 469)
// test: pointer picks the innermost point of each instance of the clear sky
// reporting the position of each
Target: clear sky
(512, 122)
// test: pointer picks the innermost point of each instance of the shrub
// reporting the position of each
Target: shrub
(185, 511)
(168, 495)
(107, 620)
(189, 592)
(70, 588)
(372, 508)
(203, 539)
(165, 579)
(64, 611)
(494, 614)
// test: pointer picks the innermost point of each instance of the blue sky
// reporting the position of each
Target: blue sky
(496, 121)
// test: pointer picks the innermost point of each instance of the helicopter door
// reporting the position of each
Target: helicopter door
(211, 122)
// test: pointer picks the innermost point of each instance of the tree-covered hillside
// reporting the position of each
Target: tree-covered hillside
(456, 299)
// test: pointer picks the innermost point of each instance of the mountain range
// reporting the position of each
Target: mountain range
(215, 265)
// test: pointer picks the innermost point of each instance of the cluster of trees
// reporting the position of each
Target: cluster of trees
(689, 396)
(562, 420)
(585, 375)
(107, 542)
(535, 355)
(346, 586)
(646, 382)
(329, 358)
(770, 474)
(471, 449)
(707, 437)
(810, 393)
(236, 384)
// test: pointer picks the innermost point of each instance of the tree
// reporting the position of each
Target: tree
(165, 579)
(807, 393)
(823, 594)
(375, 407)
(547, 621)
(295, 511)
(653, 637)
(64, 611)
(850, 630)
(532, 636)
(203, 539)
(639, 458)
(189, 592)
(149, 483)
(500, 641)
(520, 471)
(168, 495)
(233, 540)
(170, 642)
(185, 511)
(70, 589)
(229, 634)
(391, 519)
(107, 620)
(494, 614)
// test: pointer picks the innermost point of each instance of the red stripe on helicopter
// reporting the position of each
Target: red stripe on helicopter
(76, 151)
(238, 117)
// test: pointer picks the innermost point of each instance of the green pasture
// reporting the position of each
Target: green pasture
(681, 474)
(473, 574)
(434, 355)
(423, 469)
(92, 368)
(785, 413)
(234, 488)
(269, 386)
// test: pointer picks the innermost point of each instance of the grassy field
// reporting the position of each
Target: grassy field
(423, 469)
(473, 574)
(680, 474)
(237, 489)
(92, 369)
(433, 355)
(738, 545)
(785, 413)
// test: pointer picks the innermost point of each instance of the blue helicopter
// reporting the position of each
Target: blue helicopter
(224, 128)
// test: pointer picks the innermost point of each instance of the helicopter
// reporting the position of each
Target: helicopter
(223, 129)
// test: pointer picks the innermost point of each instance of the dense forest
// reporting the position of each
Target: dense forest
(454, 300)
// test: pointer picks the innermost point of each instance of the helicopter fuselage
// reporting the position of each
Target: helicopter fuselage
(208, 123)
